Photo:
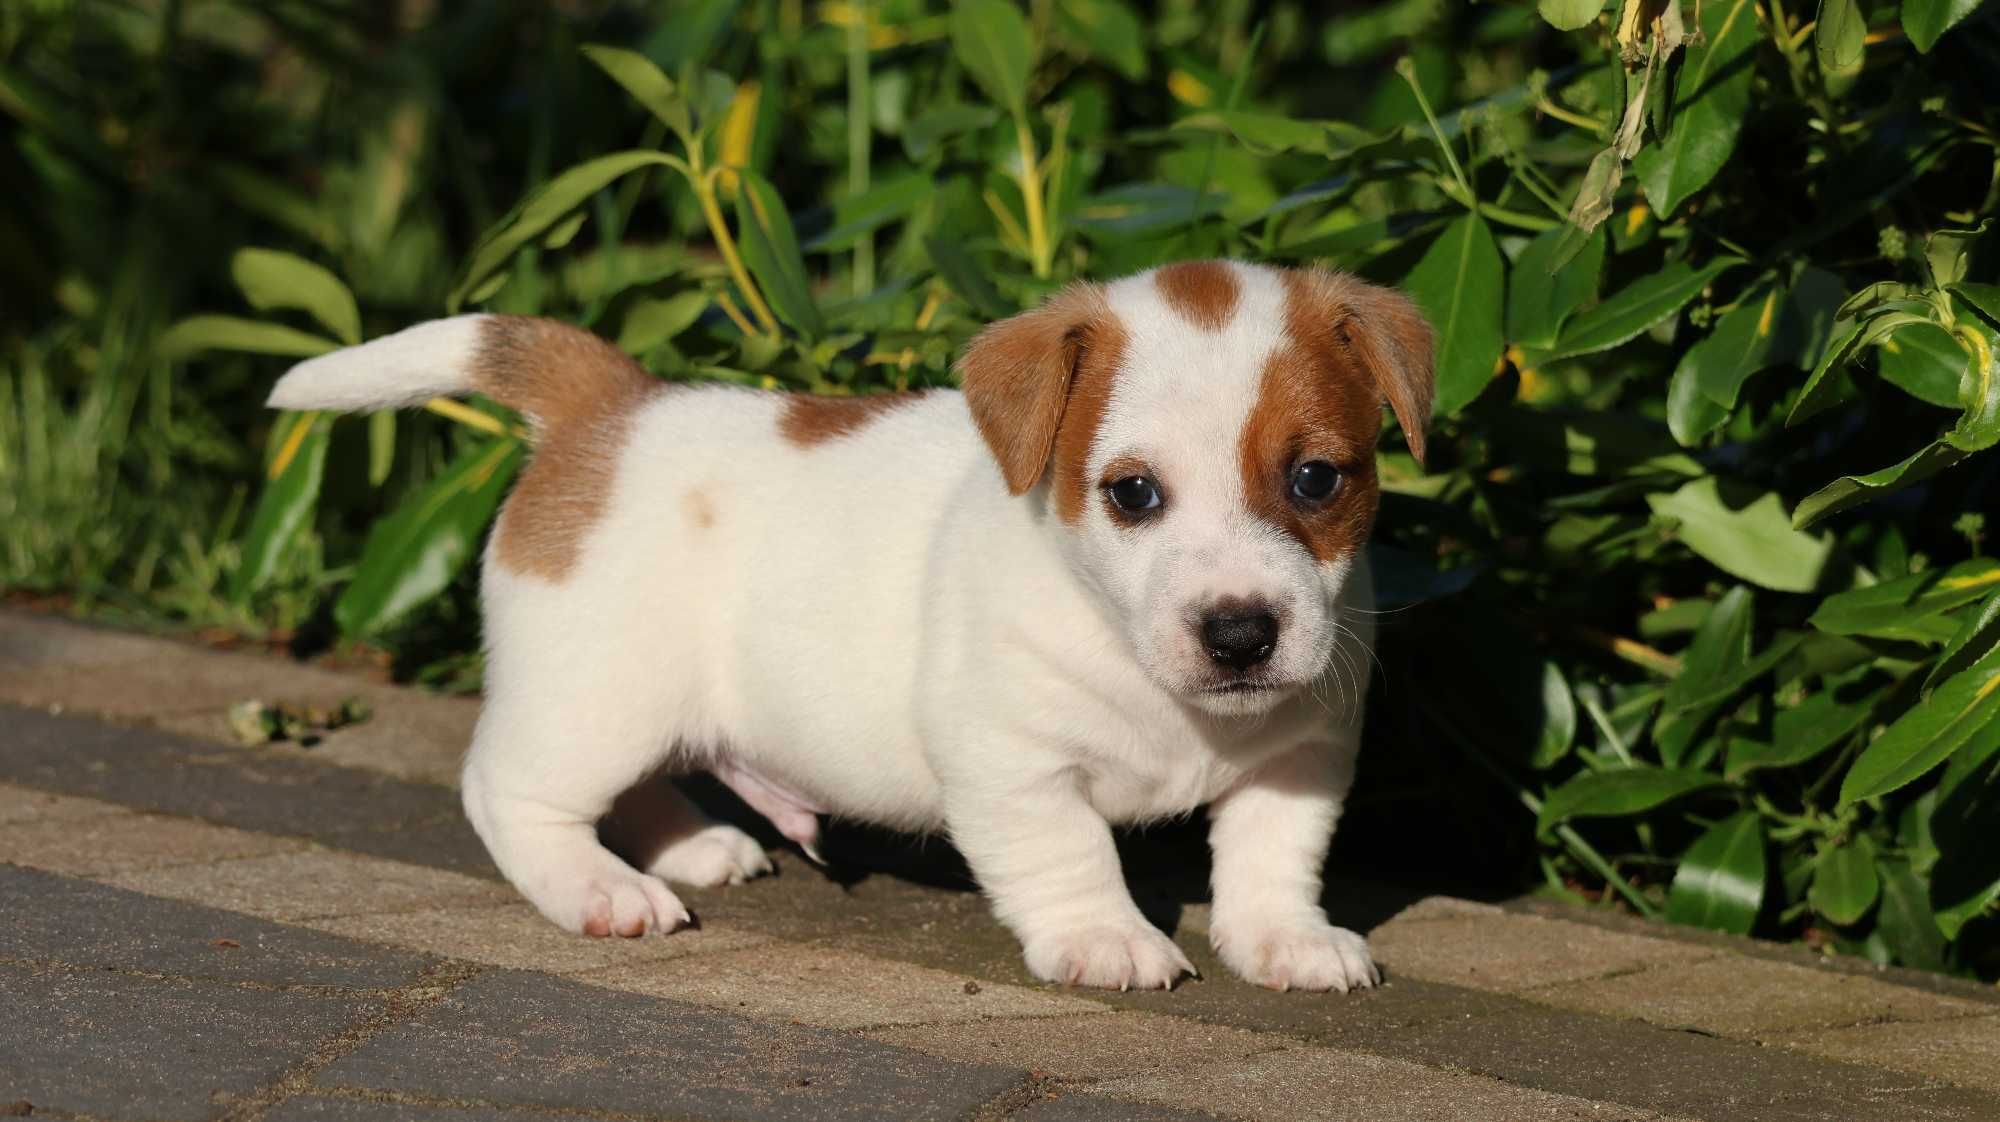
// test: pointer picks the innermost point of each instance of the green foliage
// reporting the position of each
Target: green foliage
(1692, 607)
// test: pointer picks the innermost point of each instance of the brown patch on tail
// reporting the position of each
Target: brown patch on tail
(1203, 292)
(811, 419)
(580, 394)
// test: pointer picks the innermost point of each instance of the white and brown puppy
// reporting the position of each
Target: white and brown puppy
(1117, 579)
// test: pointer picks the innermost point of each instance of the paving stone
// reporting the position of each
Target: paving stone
(1965, 1052)
(833, 988)
(1083, 1107)
(317, 883)
(316, 1108)
(1322, 1085)
(126, 841)
(1752, 998)
(518, 936)
(1445, 907)
(523, 1039)
(26, 805)
(1509, 953)
(51, 919)
(1090, 1047)
(111, 1046)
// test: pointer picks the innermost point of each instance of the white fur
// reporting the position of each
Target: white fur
(874, 625)
(407, 368)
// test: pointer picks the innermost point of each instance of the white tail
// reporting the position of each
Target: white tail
(434, 359)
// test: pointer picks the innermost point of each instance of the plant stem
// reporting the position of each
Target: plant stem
(704, 191)
(1408, 70)
(859, 123)
(1039, 251)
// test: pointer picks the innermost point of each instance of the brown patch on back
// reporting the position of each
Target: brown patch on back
(580, 394)
(1203, 292)
(1037, 385)
(811, 419)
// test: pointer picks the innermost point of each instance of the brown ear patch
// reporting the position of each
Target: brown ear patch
(1379, 332)
(811, 419)
(1090, 394)
(1202, 292)
(1310, 407)
(580, 393)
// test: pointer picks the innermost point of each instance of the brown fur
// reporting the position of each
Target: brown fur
(811, 419)
(1037, 385)
(1202, 292)
(579, 393)
(1380, 333)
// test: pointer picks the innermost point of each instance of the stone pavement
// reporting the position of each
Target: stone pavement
(191, 929)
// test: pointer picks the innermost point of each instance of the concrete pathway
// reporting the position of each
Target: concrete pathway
(192, 929)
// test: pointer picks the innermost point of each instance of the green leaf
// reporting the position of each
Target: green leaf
(1744, 533)
(644, 81)
(1853, 490)
(1888, 609)
(270, 279)
(887, 202)
(1571, 15)
(1840, 36)
(1558, 719)
(1111, 30)
(1800, 733)
(1741, 344)
(992, 43)
(923, 136)
(648, 323)
(1692, 414)
(1621, 792)
(1542, 296)
(1720, 648)
(544, 207)
(1458, 284)
(1984, 297)
(1925, 361)
(1635, 308)
(771, 251)
(1712, 98)
(1720, 882)
(967, 278)
(1141, 209)
(381, 446)
(1965, 882)
(1844, 883)
(415, 552)
(297, 465)
(1904, 919)
(196, 334)
(1966, 704)
(1926, 21)
(1978, 635)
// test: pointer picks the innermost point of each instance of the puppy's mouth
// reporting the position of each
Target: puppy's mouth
(1244, 688)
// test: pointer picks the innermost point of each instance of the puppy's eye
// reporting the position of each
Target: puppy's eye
(1314, 480)
(1134, 494)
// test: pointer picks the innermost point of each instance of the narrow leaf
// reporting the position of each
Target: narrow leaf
(1636, 307)
(771, 251)
(196, 334)
(1622, 792)
(1712, 98)
(297, 465)
(1967, 703)
(1886, 609)
(992, 43)
(1458, 283)
(270, 279)
(1720, 882)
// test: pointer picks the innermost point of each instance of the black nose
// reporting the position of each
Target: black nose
(1239, 638)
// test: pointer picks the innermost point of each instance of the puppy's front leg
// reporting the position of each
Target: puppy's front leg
(1270, 835)
(1045, 858)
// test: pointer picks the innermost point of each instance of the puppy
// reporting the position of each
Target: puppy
(1118, 578)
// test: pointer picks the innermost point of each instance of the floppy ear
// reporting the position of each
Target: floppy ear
(1017, 375)
(1382, 330)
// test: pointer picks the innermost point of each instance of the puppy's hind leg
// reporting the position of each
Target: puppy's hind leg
(663, 832)
(535, 792)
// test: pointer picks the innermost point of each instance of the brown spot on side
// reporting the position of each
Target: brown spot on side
(1037, 385)
(700, 511)
(580, 394)
(1203, 292)
(811, 419)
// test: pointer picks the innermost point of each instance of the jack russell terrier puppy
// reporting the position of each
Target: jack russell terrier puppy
(1118, 578)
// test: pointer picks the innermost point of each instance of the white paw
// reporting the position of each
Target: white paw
(624, 903)
(1112, 956)
(714, 855)
(1297, 955)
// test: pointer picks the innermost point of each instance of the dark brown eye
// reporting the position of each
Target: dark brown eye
(1134, 494)
(1314, 481)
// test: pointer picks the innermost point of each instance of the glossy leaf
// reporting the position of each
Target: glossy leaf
(1112, 32)
(1458, 283)
(196, 334)
(992, 43)
(1620, 792)
(1542, 296)
(967, 278)
(1853, 490)
(1966, 704)
(1741, 344)
(1635, 308)
(1571, 15)
(1926, 21)
(1800, 733)
(1904, 920)
(874, 208)
(771, 251)
(1890, 607)
(1720, 648)
(1978, 635)
(270, 279)
(544, 207)
(1691, 413)
(1844, 883)
(1965, 882)
(294, 470)
(1720, 881)
(1558, 719)
(648, 323)
(645, 82)
(1711, 99)
(415, 552)
(1925, 361)
(1839, 37)
(1141, 209)
(1744, 533)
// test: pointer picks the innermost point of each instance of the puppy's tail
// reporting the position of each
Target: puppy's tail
(541, 368)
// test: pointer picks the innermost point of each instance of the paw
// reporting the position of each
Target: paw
(630, 904)
(1112, 956)
(1297, 955)
(713, 855)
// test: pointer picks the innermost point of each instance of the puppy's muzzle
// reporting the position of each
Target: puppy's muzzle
(1239, 637)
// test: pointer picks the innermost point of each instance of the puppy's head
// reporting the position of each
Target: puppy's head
(1205, 437)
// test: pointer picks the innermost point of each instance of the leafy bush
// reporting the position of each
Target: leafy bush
(1690, 611)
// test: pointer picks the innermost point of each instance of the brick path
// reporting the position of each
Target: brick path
(190, 929)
